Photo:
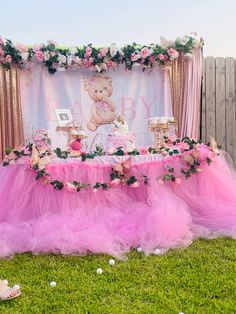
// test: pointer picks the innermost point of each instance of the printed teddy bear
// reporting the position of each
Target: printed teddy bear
(100, 89)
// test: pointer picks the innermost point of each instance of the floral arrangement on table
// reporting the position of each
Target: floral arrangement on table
(38, 155)
(56, 58)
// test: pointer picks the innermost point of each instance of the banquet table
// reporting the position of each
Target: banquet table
(36, 218)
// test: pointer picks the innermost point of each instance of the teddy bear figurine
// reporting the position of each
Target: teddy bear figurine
(100, 89)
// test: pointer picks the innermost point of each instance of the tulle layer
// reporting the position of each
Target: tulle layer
(36, 218)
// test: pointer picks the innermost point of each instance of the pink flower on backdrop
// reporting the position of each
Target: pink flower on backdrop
(21, 47)
(135, 184)
(88, 62)
(38, 47)
(194, 34)
(104, 51)
(115, 182)
(110, 64)
(172, 52)
(178, 180)
(152, 59)
(1, 52)
(55, 65)
(160, 56)
(51, 42)
(8, 58)
(165, 57)
(39, 55)
(88, 52)
(143, 150)
(71, 187)
(135, 57)
(145, 52)
(1, 41)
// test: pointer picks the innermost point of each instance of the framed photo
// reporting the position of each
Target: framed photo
(64, 116)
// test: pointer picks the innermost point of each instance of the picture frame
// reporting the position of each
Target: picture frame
(63, 116)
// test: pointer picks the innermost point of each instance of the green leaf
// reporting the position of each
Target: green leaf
(8, 150)
(40, 174)
(209, 161)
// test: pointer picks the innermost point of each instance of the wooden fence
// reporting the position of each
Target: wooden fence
(218, 105)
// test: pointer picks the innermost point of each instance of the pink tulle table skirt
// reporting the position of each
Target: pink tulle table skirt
(36, 218)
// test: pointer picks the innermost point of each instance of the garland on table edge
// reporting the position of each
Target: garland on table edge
(56, 58)
(39, 155)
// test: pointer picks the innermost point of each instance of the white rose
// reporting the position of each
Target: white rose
(73, 50)
(103, 66)
(61, 58)
(77, 60)
(47, 56)
(166, 43)
(188, 55)
(196, 43)
(24, 56)
(113, 50)
(174, 56)
(184, 40)
(97, 68)
(69, 60)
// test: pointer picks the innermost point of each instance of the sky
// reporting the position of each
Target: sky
(102, 22)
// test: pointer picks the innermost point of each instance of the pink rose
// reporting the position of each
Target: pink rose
(160, 56)
(110, 64)
(136, 184)
(8, 58)
(165, 57)
(21, 47)
(160, 180)
(134, 56)
(1, 52)
(145, 52)
(182, 146)
(88, 52)
(152, 59)
(39, 55)
(71, 187)
(115, 182)
(88, 62)
(143, 150)
(178, 180)
(171, 52)
(38, 47)
(103, 51)
(51, 42)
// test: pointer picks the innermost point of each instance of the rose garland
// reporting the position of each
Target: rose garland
(39, 154)
(56, 58)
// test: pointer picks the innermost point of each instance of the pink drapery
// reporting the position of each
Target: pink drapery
(192, 95)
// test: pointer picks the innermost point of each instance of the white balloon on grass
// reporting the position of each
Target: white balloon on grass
(99, 271)
(111, 262)
(53, 284)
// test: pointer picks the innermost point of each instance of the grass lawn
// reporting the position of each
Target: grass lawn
(199, 279)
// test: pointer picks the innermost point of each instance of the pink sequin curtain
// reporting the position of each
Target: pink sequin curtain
(185, 81)
(11, 126)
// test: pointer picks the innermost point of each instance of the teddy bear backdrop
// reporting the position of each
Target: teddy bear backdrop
(136, 94)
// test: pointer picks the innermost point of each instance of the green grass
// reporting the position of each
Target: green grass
(199, 279)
